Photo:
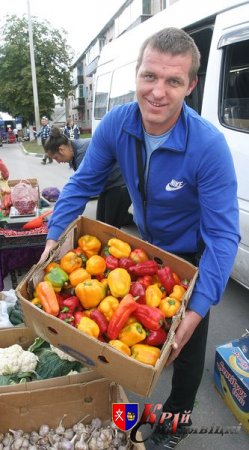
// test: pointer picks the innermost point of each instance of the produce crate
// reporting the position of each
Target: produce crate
(110, 363)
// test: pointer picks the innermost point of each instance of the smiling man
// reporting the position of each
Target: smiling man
(181, 178)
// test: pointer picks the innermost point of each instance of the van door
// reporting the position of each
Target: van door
(226, 105)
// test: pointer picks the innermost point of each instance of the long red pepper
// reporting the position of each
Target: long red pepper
(150, 317)
(126, 307)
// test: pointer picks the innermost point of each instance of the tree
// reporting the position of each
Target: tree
(52, 60)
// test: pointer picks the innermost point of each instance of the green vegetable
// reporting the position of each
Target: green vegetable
(15, 314)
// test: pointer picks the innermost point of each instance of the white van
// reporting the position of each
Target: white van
(221, 32)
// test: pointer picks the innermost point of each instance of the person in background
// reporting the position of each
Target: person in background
(114, 202)
(44, 133)
(71, 130)
(181, 178)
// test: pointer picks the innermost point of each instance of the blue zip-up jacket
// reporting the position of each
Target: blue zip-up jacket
(191, 192)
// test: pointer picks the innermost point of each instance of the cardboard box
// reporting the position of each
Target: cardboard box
(24, 337)
(231, 377)
(110, 363)
(29, 410)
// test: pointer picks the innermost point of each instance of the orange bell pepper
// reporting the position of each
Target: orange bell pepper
(169, 306)
(78, 275)
(132, 334)
(90, 245)
(146, 354)
(108, 306)
(178, 292)
(70, 262)
(50, 266)
(153, 295)
(90, 293)
(118, 345)
(46, 295)
(96, 265)
(88, 326)
(118, 248)
(119, 282)
(138, 255)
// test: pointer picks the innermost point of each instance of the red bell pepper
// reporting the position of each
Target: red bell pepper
(149, 267)
(150, 317)
(111, 262)
(155, 337)
(67, 317)
(146, 280)
(126, 263)
(138, 255)
(100, 320)
(138, 290)
(166, 278)
(120, 316)
(69, 304)
(78, 316)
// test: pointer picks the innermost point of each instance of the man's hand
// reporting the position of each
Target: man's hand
(50, 244)
(183, 333)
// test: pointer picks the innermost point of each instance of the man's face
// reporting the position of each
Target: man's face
(162, 83)
(44, 122)
(64, 155)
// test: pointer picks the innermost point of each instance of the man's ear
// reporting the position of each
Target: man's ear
(192, 86)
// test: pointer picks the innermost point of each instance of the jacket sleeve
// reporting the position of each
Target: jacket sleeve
(219, 224)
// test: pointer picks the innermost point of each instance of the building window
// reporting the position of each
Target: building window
(102, 95)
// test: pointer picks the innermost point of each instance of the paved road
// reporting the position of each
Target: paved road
(228, 321)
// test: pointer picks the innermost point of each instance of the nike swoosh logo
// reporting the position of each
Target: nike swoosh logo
(174, 185)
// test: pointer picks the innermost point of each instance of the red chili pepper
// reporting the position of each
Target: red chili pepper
(146, 280)
(111, 262)
(100, 320)
(138, 290)
(166, 278)
(126, 307)
(176, 278)
(67, 317)
(149, 267)
(69, 304)
(78, 316)
(126, 263)
(155, 337)
(150, 317)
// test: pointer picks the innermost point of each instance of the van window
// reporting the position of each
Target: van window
(123, 85)
(234, 111)
(101, 97)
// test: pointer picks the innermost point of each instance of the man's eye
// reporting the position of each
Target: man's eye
(149, 76)
(174, 82)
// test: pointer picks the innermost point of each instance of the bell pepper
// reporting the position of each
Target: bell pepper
(89, 326)
(96, 265)
(153, 295)
(176, 278)
(166, 278)
(185, 283)
(100, 320)
(118, 248)
(67, 317)
(146, 354)
(119, 282)
(108, 306)
(51, 266)
(80, 253)
(155, 337)
(151, 318)
(57, 277)
(44, 291)
(120, 346)
(90, 245)
(35, 301)
(70, 262)
(146, 280)
(132, 334)
(178, 292)
(111, 262)
(138, 255)
(126, 263)
(78, 316)
(78, 275)
(90, 293)
(138, 291)
(169, 306)
(149, 267)
(126, 307)
(69, 304)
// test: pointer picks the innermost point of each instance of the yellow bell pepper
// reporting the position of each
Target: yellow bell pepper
(88, 326)
(169, 306)
(70, 262)
(119, 282)
(178, 292)
(96, 265)
(118, 248)
(118, 345)
(90, 293)
(78, 276)
(146, 354)
(36, 302)
(153, 295)
(108, 306)
(90, 245)
(132, 334)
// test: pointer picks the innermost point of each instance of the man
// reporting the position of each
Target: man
(44, 133)
(187, 202)
(71, 130)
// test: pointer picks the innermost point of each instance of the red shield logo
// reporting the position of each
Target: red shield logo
(125, 415)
